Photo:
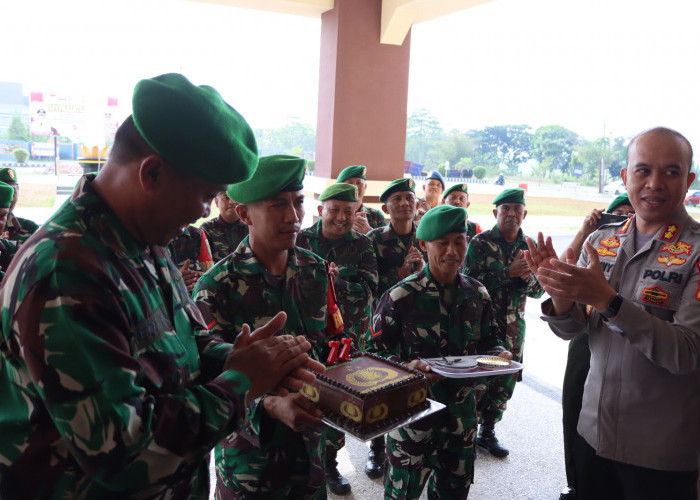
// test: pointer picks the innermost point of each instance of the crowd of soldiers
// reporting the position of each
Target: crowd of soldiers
(134, 343)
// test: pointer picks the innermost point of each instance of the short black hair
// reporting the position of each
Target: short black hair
(128, 143)
(663, 130)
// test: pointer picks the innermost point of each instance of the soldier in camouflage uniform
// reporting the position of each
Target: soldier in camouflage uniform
(192, 255)
(8, 248)
(111, 387)
(458, 196)
(279, 452)
(367, 218)
(495, 258)
(354, 266)
(17, 228)
(397, 257)
(436, 312)
(226, 231)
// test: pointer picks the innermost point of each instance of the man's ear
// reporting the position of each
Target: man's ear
(623, 176)
(494, 213)
(242, 211)
(320, 210)
(384, 209)
(423, 245)
(151, 172)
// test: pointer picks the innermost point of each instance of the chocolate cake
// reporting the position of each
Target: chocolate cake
(368, 392)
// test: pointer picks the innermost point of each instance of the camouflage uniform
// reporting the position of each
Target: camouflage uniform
(357, 281)
(20, 229)
(417, 318)
(488, 258)
(110, 385)
(8, 249)
(375, 218)
(472, 229)
(267, 459)
(188, 246)
(391, 250)
(224, 237)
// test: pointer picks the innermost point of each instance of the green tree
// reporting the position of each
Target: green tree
(423, 132)
(455, 148)
(17, 131)
(20, 155)
(293, 138)
(556, 142)
(507, 144)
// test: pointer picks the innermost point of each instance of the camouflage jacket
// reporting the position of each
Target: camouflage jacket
(391, 252)
(488, 258)
(8, 249)
(375, 218)
(189, 246)
(357, 276)
(110, 384)
(238, 290)
(224, 237)
(414, 320)
(20, 229)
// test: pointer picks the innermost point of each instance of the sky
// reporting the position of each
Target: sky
(596, 66)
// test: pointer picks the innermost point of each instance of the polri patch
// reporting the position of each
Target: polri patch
(655, 295)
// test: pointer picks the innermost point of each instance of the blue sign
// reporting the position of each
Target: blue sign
(578, 171)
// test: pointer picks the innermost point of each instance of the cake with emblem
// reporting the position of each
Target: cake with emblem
(368, 392)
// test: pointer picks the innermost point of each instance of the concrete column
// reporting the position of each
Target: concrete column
(363, 92)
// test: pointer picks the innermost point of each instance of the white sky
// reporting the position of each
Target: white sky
(628, 64)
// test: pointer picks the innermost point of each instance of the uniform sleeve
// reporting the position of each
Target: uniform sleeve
(121, 395)
(492, 275)
(490, 341)
(385, 332)
(217, 314)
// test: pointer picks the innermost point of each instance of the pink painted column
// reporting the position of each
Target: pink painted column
(363, 92)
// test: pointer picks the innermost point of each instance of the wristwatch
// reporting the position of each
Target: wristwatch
(613, 308)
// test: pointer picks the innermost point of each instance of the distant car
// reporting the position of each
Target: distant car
(616, 187)
(693, 199)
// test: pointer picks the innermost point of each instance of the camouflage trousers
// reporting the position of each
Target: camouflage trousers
(335, 440)
(287, 465)
(438, 450)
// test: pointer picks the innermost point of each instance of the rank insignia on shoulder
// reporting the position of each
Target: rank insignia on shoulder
(624, 227)
(697, 293)
(669, 232)
(655, 295)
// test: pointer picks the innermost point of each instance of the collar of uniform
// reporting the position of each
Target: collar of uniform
(670, 230)
(247, 264)
(433, 287)
(316, 231)
(101, 220)
(496, 234)
(223, 222)
(388, 232)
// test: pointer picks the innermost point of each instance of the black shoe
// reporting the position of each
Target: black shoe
(488, 441)
(568, 493)
(374, 467)
(335, 481)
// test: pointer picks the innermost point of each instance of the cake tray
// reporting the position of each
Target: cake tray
(367, 436)
(476, 371)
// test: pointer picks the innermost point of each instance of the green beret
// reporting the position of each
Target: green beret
(513, 195)
(405, 184)
(354, 171)
(194, 129)
(441, 220)
(622, 199)
(456, 187)
(7, 192)
(8, 175)
(274, 174)
(340, 192)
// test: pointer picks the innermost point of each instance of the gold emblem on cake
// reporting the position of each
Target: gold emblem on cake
(310, 392)
(370, 377)
(349, 410)
(376, 413)
(417, 397)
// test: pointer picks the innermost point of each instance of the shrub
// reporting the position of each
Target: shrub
(20, 155)
(479, 172)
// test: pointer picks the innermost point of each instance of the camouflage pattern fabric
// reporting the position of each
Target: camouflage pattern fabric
(471, 229)
(187, 246)
(110, 385)
(488, 258)
(267, 459)
(357, 281)
(19, 229)
(8, 249)
(224, 237)
(391, 250)
(421, 318)
(375, 218)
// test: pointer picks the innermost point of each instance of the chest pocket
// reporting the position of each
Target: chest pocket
(660, 287)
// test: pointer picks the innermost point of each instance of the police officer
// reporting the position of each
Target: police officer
(353, 266)
(436, 312)
(495, 258)
(367, 218)
(111, 386)
(279, 452)
(635, 287)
